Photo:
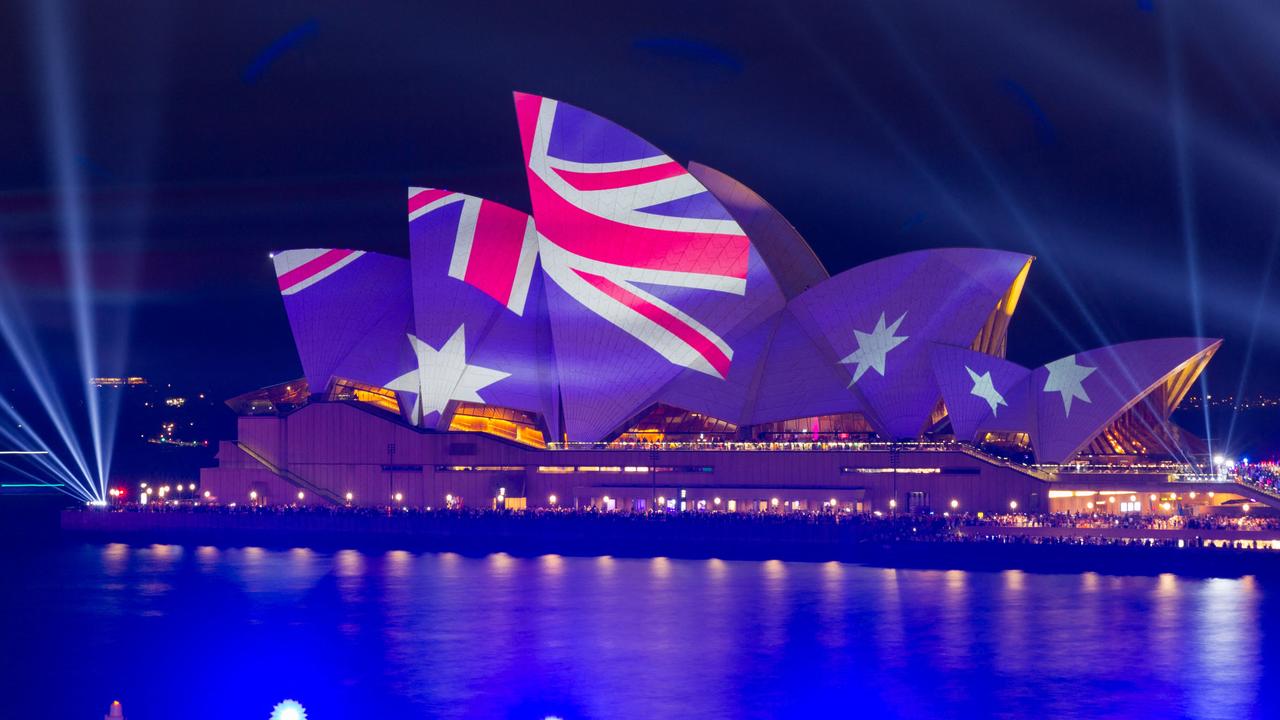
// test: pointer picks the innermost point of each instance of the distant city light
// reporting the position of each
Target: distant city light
(552, 499)
(350, 497)
(399, 497)
(1013, 504)
(300, 494)
(955, 504)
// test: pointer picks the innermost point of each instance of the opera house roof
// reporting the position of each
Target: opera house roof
(638, 281)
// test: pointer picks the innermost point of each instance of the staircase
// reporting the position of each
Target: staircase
(996, 460)
(290, 477)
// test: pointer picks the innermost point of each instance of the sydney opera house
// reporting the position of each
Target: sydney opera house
(657, 335)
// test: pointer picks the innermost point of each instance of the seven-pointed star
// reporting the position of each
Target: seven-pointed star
(873, 347)
(444, 375)
(983, 388)
(1067, 378)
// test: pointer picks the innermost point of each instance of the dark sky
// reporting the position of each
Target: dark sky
(212, 133)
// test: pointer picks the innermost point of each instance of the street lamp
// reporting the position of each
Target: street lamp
(955, 504)
(1013, 504)
(552, 499)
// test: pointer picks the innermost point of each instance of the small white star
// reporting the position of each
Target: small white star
(873, 347)
(444, 375)
(983, 388)
(1067, 378)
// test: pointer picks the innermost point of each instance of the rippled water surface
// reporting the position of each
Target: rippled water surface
(200, 632)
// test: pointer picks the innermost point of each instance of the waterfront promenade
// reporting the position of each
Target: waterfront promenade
(1051, 543)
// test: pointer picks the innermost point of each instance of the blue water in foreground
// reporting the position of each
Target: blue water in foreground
(191, 633)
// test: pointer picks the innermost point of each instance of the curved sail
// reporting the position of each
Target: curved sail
(650, 273)
(349, 311)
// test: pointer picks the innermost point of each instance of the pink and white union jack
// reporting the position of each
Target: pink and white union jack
(608, 225)
(495, 248)
(297, 270)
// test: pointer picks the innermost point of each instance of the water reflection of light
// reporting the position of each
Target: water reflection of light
(890, 630)
(1225, 652)
(1089, 582)
(301, 560)
(398, 563)
(832, 606)
(660, 567)
(115, 557)
(774, 605)
(1165, 629)
(1014, 580)
(350, 563)
(1015, 613)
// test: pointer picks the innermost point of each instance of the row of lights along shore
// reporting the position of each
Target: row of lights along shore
(451, 501)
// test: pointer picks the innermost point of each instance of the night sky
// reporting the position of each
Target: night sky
(213, 133)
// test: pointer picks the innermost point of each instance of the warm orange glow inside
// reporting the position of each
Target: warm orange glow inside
(499, 427)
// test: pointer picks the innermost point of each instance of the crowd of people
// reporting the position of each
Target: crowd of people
(792, 441)
(868, 526)
(1126, 521)
(1265, 476)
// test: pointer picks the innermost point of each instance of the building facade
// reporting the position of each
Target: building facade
(658, 333)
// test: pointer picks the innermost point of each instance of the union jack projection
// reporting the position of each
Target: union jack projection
(494, 249)
(615, 214)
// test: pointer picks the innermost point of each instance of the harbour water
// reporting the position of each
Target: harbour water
(202, 632)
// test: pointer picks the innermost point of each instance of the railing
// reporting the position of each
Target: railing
(772, 445)
(809, 446)
(1273, 494)
(291, 477)
(997, 460)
